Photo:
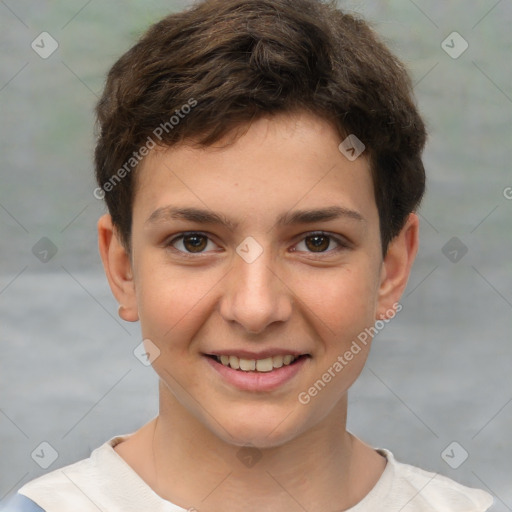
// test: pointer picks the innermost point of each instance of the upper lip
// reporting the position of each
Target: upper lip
(264, 354)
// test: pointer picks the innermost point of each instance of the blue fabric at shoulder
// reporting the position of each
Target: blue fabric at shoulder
(20, 503)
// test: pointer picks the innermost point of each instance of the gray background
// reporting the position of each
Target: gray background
(441, 372)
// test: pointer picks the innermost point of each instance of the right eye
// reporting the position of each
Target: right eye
(191, 243)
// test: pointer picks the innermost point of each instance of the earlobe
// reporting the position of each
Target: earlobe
(118, 268)
(396, 267)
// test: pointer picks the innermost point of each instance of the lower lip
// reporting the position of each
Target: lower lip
(258, 381)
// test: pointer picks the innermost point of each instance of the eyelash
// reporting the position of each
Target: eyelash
(342, 244)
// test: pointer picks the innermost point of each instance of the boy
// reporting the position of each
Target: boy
(261, 163)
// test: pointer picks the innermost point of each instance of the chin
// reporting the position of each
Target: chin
(258, 429)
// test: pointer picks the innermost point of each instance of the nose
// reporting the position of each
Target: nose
(255, 295)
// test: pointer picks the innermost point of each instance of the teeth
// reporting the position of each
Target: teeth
(288, 359)
(264, 365)
(259, 365)
(247, 364)
(277, 361)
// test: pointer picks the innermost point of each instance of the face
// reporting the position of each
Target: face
(252, 254)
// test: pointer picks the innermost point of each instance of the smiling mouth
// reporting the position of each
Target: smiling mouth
(257, 365)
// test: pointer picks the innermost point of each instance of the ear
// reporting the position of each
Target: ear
(118, 268)
(396, 267)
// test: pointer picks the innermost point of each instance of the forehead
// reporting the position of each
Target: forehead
(277, 164)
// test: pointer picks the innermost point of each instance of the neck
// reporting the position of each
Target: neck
(324, 468)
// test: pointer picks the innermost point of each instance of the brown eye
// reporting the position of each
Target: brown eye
(322, 244)
(192, 243)
(195, 243)
(318, 243)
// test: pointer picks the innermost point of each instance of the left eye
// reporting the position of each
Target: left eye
(318, 242)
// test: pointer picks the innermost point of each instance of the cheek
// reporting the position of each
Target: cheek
(172, 302)
(342, 302)
(342, 308)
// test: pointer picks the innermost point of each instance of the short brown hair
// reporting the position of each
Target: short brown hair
(233, 61)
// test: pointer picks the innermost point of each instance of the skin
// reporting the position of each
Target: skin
(292, 297)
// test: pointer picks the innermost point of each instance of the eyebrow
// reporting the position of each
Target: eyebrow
(295, 217)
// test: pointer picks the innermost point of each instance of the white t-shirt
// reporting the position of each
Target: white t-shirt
(106, 482)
